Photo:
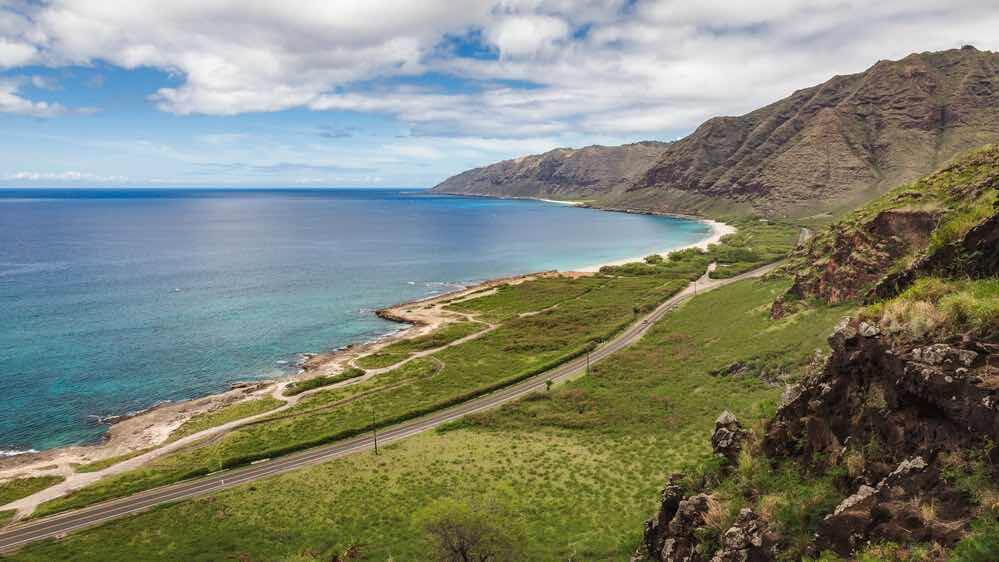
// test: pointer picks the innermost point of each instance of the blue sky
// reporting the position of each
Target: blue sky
(405, 93)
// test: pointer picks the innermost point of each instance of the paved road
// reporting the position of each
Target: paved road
(60, 524)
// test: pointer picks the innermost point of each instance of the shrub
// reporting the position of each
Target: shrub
(917, 318)
(476, 530)
(983, 542)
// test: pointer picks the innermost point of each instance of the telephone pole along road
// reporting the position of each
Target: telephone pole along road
(58, 525)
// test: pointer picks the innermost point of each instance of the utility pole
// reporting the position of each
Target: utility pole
(374, 429)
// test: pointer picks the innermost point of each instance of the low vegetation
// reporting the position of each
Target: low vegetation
(225, 415)
(402, 349)
(6, 516)
(13, 490)
(935, 307)
(298, 387)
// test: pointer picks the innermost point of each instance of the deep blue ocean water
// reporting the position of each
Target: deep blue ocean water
(114, 300)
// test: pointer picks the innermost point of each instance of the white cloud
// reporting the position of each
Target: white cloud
(651, 68)
(13, 53)
(70, 176)
(12, 102)
(527, 35)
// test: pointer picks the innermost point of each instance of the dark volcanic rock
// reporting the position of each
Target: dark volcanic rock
(726, 441)
(919, 403)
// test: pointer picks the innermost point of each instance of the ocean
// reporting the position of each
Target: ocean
(115, 300)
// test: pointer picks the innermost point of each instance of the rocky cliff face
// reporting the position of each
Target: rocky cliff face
(946, 223)
(832, 146)
(911, 423)
(926, 406)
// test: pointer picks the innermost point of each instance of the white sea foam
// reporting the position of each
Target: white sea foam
(14, 453)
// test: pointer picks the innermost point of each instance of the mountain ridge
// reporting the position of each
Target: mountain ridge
(824, 148)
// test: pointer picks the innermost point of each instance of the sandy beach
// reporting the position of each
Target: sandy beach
(152, 428)
(718, 231)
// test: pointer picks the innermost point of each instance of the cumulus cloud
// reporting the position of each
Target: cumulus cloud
(527, 35)
(540, 68)
(12, 102)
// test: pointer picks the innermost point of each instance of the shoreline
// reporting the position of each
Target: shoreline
(152, 427)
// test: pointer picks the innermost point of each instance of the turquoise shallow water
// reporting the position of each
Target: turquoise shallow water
(114, 300)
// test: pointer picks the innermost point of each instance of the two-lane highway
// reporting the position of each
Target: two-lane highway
(20, 534)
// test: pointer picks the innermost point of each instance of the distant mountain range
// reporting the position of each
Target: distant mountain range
(826, 148)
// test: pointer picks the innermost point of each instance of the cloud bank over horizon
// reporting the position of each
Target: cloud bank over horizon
(405, 93)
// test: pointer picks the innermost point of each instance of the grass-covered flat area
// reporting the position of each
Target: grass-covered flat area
(582, 464)
(12, 490)
(402, 349)
(225, 415)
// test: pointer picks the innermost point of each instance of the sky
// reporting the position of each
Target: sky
(404, 93)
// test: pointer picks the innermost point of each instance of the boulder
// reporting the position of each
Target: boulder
(728, 437)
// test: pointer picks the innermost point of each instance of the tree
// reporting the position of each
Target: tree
(476, 530)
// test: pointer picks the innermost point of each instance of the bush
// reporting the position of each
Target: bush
(476, 530)
(983, 542)
(917, 318)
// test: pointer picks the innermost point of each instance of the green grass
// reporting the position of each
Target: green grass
(753, 244)
(110, 461)
(12, 490)
(935, 307)
(298, 387)
(583, 464)
(511, 300)
(225, 415)
(6, 516)
(400, 350)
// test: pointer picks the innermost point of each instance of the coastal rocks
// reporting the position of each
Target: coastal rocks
(675, 534)
(915, 400)
(912, 504)
(671, 535)
(747, 540)
(899, 412)
(727, 439)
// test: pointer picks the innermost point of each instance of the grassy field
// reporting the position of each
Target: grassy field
(597, 448)
(224, 415)
(298, 387)
(22, 487)
(400, 350)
